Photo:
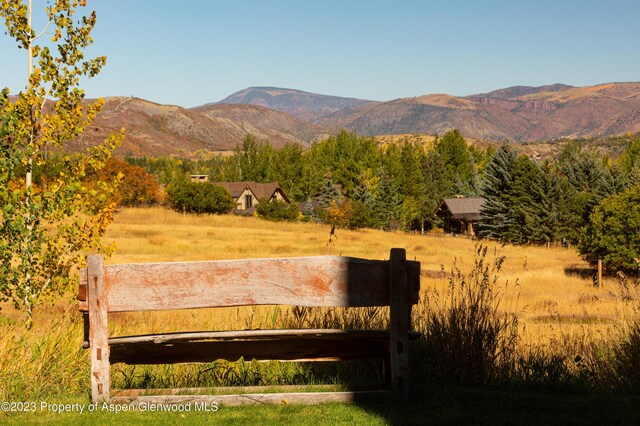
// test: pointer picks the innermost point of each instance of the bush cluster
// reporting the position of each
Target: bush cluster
(277, 210)
(199, 197)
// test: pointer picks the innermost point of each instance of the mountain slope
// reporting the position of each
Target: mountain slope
(304, 105)
(153, 129)
(518, 113)
(264, 123)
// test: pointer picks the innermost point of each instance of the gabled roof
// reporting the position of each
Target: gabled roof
(461, 208)
(260, 190)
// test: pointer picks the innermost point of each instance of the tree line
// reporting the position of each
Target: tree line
(354, 181)
(346, 177)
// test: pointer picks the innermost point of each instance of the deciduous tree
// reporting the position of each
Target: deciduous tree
(45, 230)
(613, 232)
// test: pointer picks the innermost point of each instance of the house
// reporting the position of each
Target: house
(247, 195)
(460, 214)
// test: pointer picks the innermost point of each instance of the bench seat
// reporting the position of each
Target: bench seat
(284, 345)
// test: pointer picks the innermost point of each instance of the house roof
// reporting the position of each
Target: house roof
(461, 208)
(260, 190)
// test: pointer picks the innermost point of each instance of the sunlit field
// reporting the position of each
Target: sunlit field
(549, 289)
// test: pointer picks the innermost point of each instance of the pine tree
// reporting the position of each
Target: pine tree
(388, 201)
(496, 219)
(530, 204)
(584, 181)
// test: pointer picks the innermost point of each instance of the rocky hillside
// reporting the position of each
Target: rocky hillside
(153, 129)
(519, 113)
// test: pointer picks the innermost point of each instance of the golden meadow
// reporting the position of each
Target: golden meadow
(548, 289)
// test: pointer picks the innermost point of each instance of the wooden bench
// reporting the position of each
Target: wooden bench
(323, 281)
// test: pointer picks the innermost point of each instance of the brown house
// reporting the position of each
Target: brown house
(247, 195)
(460, 214)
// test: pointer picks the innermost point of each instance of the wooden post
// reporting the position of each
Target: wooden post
(98, 332)
(599, 273)
(400, 313)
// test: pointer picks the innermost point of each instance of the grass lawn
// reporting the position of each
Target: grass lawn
(442, 405)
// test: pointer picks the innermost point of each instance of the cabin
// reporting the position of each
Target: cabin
(460, 214)
(247, 195)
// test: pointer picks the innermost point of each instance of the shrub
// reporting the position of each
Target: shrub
(467, 339)
(361, 216)
(338, 213)
(626, 358)
(199, 197)
(277, 210)
(138, 188)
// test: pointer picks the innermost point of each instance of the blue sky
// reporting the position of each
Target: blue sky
(193, 52)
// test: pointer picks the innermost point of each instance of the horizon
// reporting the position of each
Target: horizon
(370, 50)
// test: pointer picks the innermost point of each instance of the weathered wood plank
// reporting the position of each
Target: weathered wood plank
(308, 398)
(413, 275)
(381, 273)
(307, 281)
(98, 330)
(293, 349)
(82, 290)
(282, 335)
(225, 390)
(320, 333)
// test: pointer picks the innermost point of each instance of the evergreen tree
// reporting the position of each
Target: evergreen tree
(387, 202)
(496, 219)
(531, 208)
(584, 181)
(409, 178)
(329, 194)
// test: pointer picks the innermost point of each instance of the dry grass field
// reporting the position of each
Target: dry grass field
(550, 289)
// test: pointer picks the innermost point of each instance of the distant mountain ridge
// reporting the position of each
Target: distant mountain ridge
(519, 114)
(300, 104)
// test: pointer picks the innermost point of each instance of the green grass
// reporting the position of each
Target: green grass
(433, 404)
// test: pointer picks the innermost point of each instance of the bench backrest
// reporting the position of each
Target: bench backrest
(302, 281)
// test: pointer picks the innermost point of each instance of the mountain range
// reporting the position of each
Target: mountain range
(519, 114)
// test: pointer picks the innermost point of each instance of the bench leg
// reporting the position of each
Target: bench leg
(400, 312)
(98, 332)
(386, 370)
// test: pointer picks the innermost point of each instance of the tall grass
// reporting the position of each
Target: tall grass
(468, 337)
(51, 363)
